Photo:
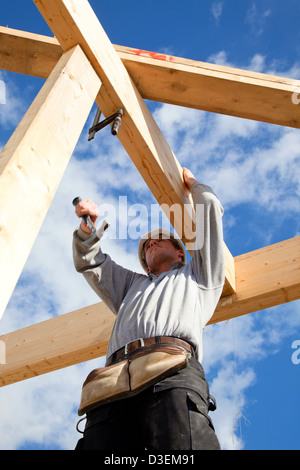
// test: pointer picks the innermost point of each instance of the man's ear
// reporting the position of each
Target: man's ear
(181, 253)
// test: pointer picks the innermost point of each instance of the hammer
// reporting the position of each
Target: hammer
(85, 218)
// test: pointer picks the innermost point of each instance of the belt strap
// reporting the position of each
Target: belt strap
(139, 343)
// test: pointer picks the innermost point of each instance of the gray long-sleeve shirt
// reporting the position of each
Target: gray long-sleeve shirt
(178, 302)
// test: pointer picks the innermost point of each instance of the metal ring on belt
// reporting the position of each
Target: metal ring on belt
(129, 348)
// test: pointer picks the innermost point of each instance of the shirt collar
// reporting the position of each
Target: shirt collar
(177, 265)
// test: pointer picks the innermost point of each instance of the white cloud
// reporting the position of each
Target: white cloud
(216, 10)
(14, 106)
(219, 58)
(261, 64)
(256, 19)
(180, 126)
(232, 349)
(257, 63)
(230, 386)
(43, 411)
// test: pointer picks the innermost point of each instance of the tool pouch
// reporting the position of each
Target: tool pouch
(132, 375)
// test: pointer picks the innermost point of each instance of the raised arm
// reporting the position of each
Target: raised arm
(208, 256)
(109, 280)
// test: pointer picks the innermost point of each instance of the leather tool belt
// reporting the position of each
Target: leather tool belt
(133, 368)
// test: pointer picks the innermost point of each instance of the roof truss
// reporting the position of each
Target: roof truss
(124, 77)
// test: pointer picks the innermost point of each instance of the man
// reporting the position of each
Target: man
(174, 300)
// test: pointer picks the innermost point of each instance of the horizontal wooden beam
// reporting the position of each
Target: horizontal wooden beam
(266, 277)
(34, 160)
(53, 344)
(213, 88)
(28, 53)
(170, 79)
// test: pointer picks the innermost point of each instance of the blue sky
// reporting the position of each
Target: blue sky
(253, 167)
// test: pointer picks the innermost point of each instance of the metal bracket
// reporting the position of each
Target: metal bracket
(97, 126)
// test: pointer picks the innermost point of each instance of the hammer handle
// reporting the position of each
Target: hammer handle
(86, 218)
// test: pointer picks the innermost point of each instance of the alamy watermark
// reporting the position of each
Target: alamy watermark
(2, 92)
(296, 353)
(296, 94)
(134, 221)
(2, 352)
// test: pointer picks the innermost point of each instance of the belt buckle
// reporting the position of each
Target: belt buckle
(138, 339)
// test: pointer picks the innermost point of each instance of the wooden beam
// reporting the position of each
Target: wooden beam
(213, 88)
(265, 278)
(34, 160)
(56, 343)
(28, 53)
(139, 134)
(170, 79)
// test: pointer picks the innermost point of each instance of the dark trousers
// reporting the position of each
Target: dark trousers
(164, 417)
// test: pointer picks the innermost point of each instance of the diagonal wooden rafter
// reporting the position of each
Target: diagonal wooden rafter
(34, 159)
(75, 24)
(170, 79)
(266, 277)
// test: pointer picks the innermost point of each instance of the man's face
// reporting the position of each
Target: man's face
(161, 252)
